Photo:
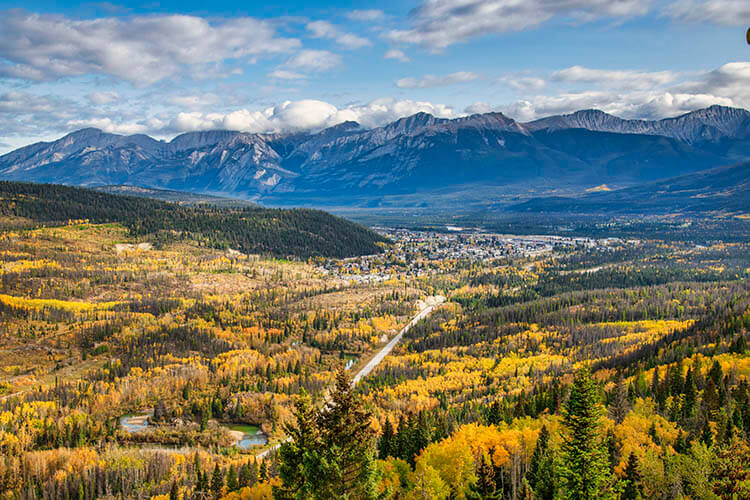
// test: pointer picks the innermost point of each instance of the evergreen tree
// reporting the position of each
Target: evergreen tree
(347, 438)
(217, 482)
(632, 489)
(619, 407)
(485, 485)
(243, 477)
(541, 473)
(232, 480)
(688, 401)
(585, 468)
(300, 455)
(385, 445)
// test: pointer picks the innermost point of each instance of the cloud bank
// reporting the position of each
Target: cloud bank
(141, 50)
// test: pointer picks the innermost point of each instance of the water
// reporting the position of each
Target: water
(135, 423)
(251, 436)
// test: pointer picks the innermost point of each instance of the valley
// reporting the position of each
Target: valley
(137, 365)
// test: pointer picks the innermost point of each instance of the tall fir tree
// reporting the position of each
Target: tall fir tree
(217, 482)
(541, 472)
(585, 467)
(385, 445)
(632, 490)
(300, 454)
(347, 437)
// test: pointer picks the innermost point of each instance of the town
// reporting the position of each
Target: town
(416, 253)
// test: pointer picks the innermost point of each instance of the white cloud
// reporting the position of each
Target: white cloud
(428, 81)
(292, 116)
(324, 29)
(480, 107)
(524, 83)
(396, 54)
(313, 60)
(366, 15)
(726, 12)
(440, 23)
(283, 74)
(101, 98)
(140, 49)
(615, 79)
(23, 103)
(638, 104)
(107, 125)
(195, 101)
(731, 80)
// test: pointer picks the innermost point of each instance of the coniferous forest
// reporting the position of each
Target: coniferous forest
(298, 232)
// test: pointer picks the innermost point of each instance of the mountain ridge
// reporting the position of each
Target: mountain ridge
(417, 154)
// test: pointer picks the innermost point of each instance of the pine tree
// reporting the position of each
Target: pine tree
(485, 486)
(619, 407)
(347, 437)
(385, 445)
(243, 477)
(632, 489)
(232, 481)
(217, 482)
(688, 401)
(585, 468)
(300, 455)
(540, 475)
(263, 471)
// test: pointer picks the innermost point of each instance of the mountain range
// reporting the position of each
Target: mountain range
(420, 160)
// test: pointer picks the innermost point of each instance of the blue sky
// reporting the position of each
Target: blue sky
(163, 68)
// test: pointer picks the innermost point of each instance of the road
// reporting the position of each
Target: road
(385, 351)
(430, 305)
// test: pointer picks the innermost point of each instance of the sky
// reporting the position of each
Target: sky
(165, 68)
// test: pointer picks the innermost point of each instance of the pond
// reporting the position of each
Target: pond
(247, 436)
(135, 423)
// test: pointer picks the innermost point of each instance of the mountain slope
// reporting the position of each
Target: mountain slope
(709, 124)
(421, 156)
(725, 189)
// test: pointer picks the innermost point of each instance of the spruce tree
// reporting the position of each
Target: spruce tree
(632, 489)
(385, 445)
(232, 481)
(300, 455)
(243, 477)
(585, 467)
(217, 482)
(619, 406)
(485, 485)
(541, 472)
(347, 437)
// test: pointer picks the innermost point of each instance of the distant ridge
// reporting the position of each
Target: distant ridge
(417, 160)
(724, 189)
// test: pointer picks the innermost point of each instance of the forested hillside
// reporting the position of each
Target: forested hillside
(296, 232)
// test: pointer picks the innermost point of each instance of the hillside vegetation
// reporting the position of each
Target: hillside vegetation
(296, 232)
